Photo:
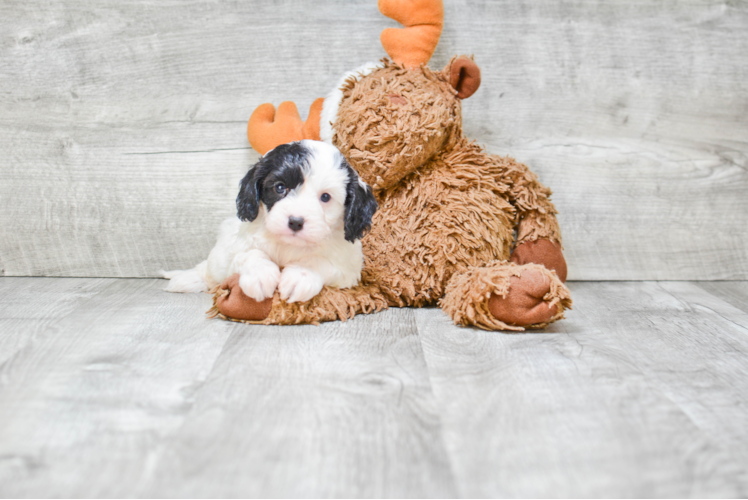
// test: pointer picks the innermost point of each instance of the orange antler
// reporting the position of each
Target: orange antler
(414, 44)
(267, 129)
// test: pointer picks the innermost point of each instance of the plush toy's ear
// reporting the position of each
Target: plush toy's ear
(248, 199)
(360, 206)
(464, 76)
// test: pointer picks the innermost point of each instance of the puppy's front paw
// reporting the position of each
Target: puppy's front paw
(298, 284)
(260, 281)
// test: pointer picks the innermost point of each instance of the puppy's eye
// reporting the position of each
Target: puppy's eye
(325, 197)
(280, 188)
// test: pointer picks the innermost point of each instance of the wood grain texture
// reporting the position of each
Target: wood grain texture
(96, 375)
(638, 210)
(340, 410)
(123, 209)
(734, 293)
(639, 393)
(634, 113)
(114, 388)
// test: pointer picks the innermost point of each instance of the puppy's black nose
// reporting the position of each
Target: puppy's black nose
(296, 223)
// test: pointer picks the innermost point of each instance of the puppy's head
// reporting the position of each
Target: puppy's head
(307, 192)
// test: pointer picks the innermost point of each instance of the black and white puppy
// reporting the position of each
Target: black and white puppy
(302, 211)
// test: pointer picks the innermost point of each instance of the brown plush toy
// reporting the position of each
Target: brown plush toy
(449, 213)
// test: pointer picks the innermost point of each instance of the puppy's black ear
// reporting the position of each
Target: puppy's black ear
(248, 200)
(360, 206)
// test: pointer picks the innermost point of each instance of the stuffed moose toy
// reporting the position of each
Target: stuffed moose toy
(475, 234)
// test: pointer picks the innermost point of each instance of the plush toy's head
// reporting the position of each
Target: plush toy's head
(391, 118)
(394, 119)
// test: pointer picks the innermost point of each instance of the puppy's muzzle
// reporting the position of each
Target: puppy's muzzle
(296, 223)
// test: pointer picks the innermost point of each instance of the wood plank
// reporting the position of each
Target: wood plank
(639, 210)
(734, 293)
(339, 410)
(99, 373)
(639, 393)
(31, 307)
(633, 112)
(715, 391)
(119, 201)
(115, 388)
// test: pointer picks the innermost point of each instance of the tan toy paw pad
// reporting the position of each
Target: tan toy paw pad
(233, 303)
(523, 304)
(543, 252)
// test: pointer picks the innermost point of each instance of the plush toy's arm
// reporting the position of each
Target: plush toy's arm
(536, 214)
(331, 304)
(538, 234)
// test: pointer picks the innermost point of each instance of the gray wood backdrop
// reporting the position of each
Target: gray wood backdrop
(122, 124)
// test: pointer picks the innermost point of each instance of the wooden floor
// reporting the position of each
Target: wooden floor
(114, 388)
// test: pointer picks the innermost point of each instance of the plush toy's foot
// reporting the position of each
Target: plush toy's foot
(229, 302)
(524, 303)
(506, 296)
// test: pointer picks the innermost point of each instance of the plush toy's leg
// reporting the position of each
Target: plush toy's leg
(506, 296)
(229, 302)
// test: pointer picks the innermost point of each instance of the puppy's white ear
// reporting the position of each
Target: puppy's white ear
(360, 206)
(248, 200)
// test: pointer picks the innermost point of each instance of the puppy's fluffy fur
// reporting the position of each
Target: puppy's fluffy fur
(302, 211)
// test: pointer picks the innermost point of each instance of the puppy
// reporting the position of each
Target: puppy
(302, 211)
